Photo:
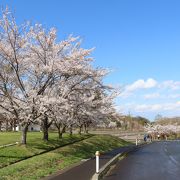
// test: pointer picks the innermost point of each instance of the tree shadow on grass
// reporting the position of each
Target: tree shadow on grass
(45, 147)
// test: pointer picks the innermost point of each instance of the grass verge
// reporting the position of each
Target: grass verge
(53, 161)
(35, 146)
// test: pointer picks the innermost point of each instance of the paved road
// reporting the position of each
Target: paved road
(86, 170)
(156, 161)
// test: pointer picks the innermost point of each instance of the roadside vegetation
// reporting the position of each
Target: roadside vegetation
(35, 146)
(53, 161)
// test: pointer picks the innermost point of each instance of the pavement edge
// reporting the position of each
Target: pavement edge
(106, 167)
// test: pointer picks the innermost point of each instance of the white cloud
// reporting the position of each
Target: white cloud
(148, 108)
(173, 96)
(145, 108)
(152, 96)
(170, 84)
(125, 94)
(141, 84)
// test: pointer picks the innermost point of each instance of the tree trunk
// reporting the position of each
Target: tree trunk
(45, 134)
(24, 134)
(45, 129)
(60, 133)
(6, 125)
(80, 129)
(86, 131)
(14, 125)
(10, 127)
(86, 128)
(61, 129)
(64, 129)
(70, 130)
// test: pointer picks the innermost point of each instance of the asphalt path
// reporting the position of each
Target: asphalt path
(86, 169)
(156, 161)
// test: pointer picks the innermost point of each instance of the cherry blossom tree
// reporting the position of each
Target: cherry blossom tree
(15, 96)
(46, 81)
(163, 130)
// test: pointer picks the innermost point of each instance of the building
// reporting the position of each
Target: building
(32, 127)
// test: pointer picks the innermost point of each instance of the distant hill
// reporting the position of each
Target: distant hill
(168, 120)
(127, 122)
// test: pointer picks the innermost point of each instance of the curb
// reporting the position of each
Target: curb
(113, 161)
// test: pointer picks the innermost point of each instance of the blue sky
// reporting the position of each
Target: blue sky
(139, 40)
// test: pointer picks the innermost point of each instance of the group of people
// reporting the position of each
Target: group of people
(147, 137)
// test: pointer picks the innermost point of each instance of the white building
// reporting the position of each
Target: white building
(32, 127)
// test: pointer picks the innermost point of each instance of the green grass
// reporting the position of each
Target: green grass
(9, 137)
(50, 162)
(35, 146)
